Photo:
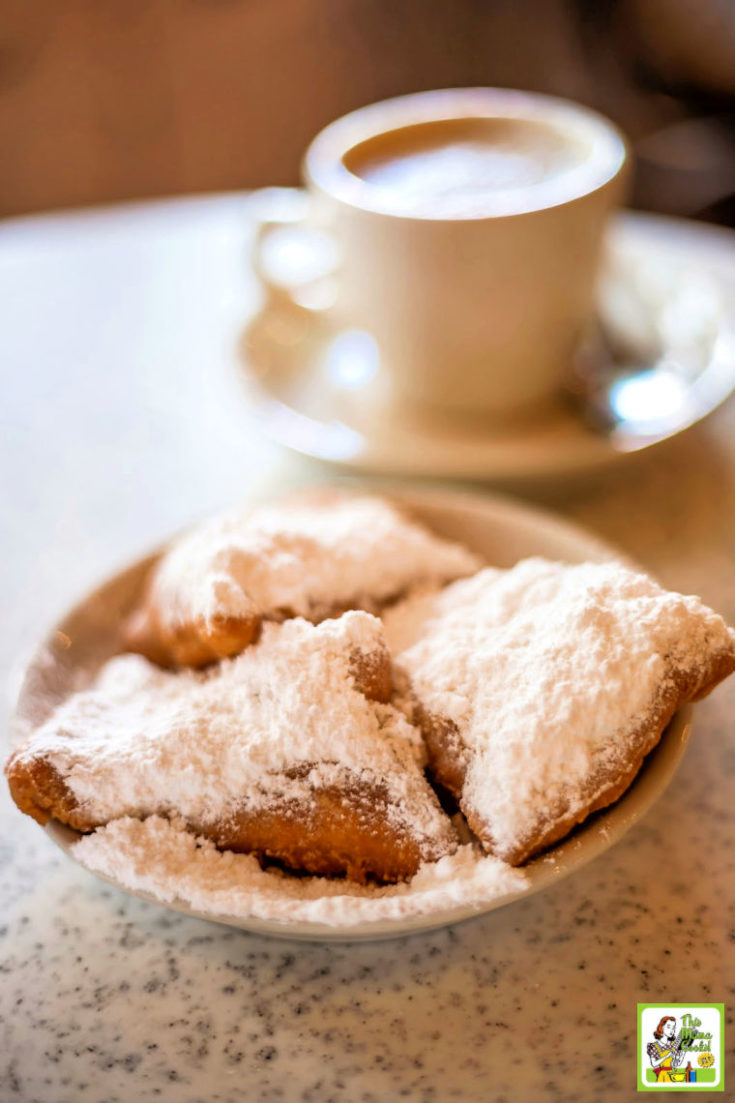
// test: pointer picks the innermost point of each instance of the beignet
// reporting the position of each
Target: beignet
(291, 751)
(541, 689)
(314, 555)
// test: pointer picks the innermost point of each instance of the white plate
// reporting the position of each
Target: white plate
(306, 386)
(499, 529)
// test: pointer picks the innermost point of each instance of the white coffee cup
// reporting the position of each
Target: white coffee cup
(464, 230)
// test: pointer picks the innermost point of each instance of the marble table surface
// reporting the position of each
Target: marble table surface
(121, 420)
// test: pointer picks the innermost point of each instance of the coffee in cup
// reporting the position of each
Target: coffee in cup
(463, 168)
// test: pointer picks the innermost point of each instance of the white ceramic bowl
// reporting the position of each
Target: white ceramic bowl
(502, 531)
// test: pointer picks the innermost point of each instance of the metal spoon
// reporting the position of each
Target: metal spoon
(660, 358)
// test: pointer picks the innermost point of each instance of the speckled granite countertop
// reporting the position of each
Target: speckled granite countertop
(113, 436)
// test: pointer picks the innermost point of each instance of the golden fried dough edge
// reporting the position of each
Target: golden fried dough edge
(39, 790)
(194, 644)
(337, 830)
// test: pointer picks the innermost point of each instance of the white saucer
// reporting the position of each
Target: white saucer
(500, 530)
(314, 403)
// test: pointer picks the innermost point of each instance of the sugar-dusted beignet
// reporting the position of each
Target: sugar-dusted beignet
(314, 555)
(291, 751)
(541, 689)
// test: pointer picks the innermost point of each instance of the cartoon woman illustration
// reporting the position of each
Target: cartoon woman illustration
(666, 1053)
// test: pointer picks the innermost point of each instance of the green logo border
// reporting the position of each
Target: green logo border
(642, 1086)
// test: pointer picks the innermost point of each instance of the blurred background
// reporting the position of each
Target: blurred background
(107, 100)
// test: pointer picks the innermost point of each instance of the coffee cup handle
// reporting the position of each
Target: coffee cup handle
(293, 255)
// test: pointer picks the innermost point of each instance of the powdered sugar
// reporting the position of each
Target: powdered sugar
(548, 672)
(159, 857)
(404, 622)
(311, 555)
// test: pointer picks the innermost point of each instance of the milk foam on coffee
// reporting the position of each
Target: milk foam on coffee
(455, 168)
